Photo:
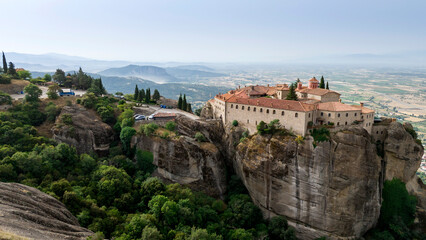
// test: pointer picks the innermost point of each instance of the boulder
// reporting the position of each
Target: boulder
(27, 213)
(87, 133)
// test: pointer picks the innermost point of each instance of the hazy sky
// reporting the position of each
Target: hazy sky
(216, 30)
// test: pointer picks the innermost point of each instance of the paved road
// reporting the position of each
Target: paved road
(176, 111)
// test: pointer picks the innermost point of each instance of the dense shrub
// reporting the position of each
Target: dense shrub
(5, 79)
(200, 137)
(5, 98)
(235, 123)
(171, 126)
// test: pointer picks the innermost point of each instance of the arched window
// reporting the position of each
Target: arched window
(242, 108)
(273, 112)
(346, 123)
(282, 113)
(232, 105)
(338, 115)
(347, 114)
(296, 114)
(236, 106)
(322, 114)
(261, 110)
(267, 110)
(338, 123)
(309, 115)
(329, 115)
(355, 114)
(248, 108)
(254, 109)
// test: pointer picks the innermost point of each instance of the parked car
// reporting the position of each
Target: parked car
(140, 117)
(151, 117)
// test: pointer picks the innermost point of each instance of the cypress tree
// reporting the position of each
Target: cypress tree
(11, 70)
(180, 101)
(156, 95)
(327, 86)
(322, 84)
(148, 96)
(184, 104)
(136, 95)
(292, 93)
(4, 64)
(141, 96)
(188, 108)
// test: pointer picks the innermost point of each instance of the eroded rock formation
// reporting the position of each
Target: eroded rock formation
(332, 190)
(199, 165)
(27, 213)
(87, 133)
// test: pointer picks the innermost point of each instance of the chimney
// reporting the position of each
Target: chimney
(252, 87)
(362, 104)
(268, 84)
(340, 100)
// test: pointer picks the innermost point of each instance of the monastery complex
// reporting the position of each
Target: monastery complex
(315, 107)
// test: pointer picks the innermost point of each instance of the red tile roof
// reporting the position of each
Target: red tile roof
(336, 107)
(313, 80)
(274, 103)
(316, 91)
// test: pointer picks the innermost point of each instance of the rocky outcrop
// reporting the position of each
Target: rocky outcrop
(27, 213)
(87, 133)
(207, 111)
(182, 159)
(402, 155)
(332, 190)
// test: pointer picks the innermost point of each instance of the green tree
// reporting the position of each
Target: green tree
(151, 233)
(12, 71)
(241, 234)
(97, 87)
(47, 77)
(322, 84)
(51, 111)
(24, 74)
(32, 93)
(156, 95)
(180, 102)
(136, 95)
(327, 86)
(188, 108)
(126, 135)
(59, 77)
(4, 63)
(184, 103)
(111, 183)
(148, 96)
(278, 229)
(292, 93)
(202, 234)
(397, 203)
(141, 96)
(52, 92)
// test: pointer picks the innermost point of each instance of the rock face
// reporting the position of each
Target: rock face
(332, 190)
(186, 161)
(87, 133)
(28, 213)
(402, 154)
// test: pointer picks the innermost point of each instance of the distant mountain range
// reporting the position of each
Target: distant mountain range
(161, 75)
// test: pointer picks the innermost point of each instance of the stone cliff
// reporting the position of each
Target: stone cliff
(332, 190)
(86, 132)
(182, 159)
(27, 213)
